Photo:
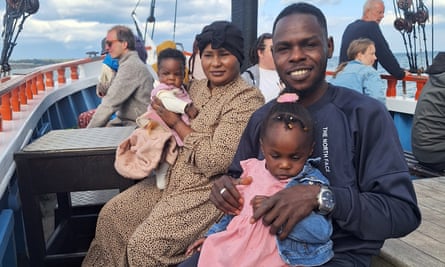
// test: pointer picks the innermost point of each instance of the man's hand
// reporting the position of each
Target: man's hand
(286, 208)
(225, 196)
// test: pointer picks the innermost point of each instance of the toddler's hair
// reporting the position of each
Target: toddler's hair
(290, 115)
(174, 54)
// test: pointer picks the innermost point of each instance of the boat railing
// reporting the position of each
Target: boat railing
(25, 98)
(16, 91)
(399, 101)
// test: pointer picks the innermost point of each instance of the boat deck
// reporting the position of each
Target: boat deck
(426, 245)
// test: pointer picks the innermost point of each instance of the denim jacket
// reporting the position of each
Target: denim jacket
(309, 243)
(362, 78)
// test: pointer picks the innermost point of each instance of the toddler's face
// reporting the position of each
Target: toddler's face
(285, 150)
(171, 72)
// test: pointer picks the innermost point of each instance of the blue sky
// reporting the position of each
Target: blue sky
(70, 28)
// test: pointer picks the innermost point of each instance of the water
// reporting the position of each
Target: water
(403, 61)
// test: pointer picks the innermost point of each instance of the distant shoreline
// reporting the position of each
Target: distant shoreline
(23, 65)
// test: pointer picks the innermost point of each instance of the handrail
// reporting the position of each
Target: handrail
(16, 91)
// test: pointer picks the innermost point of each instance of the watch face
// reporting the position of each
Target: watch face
(327, 200)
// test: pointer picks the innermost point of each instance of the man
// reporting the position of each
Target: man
(368, 27)
(129, 93)
(371, 196)
(428, 135)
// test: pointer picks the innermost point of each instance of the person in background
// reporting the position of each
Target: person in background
(371, 196)
(140, 48)
(146, 226)
(194, 64)
(234, 240)
(129, 93)
(358, 73)
(109, 69)
(368, 27)
(262, 73)
(428, 131)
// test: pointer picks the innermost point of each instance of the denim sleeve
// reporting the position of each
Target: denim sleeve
(220, 226)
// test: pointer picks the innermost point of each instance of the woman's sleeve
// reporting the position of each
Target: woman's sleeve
(211, 152)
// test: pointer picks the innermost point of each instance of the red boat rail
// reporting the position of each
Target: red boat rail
(391, 90)
(16, 91)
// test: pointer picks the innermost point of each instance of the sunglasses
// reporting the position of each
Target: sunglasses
(110, 43)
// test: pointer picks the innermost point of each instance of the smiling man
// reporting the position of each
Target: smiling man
(129, 93)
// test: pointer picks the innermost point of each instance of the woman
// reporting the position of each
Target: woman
(358, 73)
(145, 226)
(262, 73)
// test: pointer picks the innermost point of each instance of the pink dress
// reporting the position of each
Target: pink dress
(245, 244)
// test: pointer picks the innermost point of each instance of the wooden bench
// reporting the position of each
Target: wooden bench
(426, 245)
(419, 170)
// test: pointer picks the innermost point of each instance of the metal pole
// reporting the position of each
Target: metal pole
(174, 24)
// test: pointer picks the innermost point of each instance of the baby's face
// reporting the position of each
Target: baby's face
(285, 150)
(171, 72)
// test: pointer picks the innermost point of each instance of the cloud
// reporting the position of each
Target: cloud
(69, 28)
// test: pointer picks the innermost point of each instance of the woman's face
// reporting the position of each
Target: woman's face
(265, 56)
(367, 58)
(219, 65)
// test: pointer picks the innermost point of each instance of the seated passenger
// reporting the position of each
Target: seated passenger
(428, 131)
(358, 73)
(129, 93)
(262, 73)
(146, 226)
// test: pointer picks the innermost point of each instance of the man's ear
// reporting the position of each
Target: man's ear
(330, 46)
(125, 44)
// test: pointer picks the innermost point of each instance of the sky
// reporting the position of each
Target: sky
(67, 29)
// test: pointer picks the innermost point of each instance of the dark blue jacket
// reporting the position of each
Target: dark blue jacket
(371, 30)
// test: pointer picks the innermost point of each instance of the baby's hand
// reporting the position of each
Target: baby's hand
(257, 201)
(245, 180)
(195, 247)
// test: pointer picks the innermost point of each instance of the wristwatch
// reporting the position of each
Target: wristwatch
(326, 200)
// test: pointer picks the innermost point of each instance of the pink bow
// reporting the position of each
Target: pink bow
(287, 98)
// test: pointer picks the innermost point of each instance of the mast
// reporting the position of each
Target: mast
(411, 19)
(16, 13)
(245, 16)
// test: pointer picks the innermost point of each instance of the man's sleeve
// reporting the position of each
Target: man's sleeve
(384, 54)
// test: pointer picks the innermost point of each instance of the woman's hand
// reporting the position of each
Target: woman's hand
(225, 196)
(170, 118)
(195, 247)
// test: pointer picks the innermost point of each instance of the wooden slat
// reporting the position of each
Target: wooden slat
(426, 245)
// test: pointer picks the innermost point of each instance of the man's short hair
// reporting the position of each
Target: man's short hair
(303, 8)
(124, 34)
